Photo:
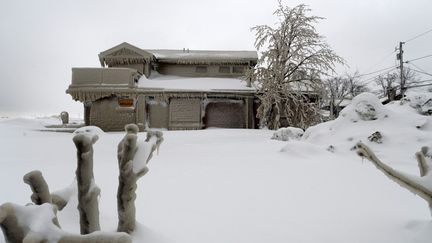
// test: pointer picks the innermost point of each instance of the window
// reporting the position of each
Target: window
(201, 69)
(224, 69)
(238, 69)
(125, 102)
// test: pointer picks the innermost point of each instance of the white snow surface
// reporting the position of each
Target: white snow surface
(38, 218)
(170, 82)
(234, 185)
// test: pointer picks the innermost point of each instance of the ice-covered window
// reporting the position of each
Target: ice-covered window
(201, 69)
(238, 69)
(224, 69)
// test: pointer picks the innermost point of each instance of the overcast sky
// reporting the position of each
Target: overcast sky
(42, 40)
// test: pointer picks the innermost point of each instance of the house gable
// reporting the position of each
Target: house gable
(124, 54)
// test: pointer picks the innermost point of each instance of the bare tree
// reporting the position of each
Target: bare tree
(386, 82)
(410, 76)
(292, 59)
(389, 82)
(356, 85)
(339, 88)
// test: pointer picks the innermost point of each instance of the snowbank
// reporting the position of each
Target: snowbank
(398, 123)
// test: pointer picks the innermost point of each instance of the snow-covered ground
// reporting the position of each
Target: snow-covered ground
(235, 186)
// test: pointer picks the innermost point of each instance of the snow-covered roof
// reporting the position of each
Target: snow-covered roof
(127, 53)
(204, 56)
(169, 82)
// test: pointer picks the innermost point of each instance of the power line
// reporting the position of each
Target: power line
(369, 80)
(380, 61)
(418, 36)
(419, 68)
(366, 74)
(421, 85)
(421, 72)
(420, 82)
(415, 59)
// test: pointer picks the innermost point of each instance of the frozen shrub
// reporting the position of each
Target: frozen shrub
(41, 192)
(366, 111)
(364, 107)
(422, 102)
(88, 191)
(40, 227)
(38, 186)
(287, 133)
(133, 158)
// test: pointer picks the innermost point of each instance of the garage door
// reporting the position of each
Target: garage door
(225, 114)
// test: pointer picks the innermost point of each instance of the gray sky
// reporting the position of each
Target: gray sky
(42, 40)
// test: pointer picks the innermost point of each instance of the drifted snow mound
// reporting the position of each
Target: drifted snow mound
(422, 102)
(288, 133)
(399, 125)
(366, 107)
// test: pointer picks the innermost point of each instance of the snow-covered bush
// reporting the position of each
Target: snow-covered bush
(287, 133)
(366, 107)
(421, 101)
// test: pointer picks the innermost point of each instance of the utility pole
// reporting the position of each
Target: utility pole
(402, 78)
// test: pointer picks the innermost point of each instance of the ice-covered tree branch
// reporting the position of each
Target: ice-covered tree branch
(416, 185)
(422, 162)
(38, 186)
(88, 191)
(133, 157)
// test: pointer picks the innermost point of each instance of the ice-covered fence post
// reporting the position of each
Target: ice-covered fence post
(88, 191)
(132, 159)
(414, 184)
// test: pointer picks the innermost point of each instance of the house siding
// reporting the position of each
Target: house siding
(106, 114)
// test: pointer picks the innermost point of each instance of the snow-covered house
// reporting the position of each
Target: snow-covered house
(172, 89)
